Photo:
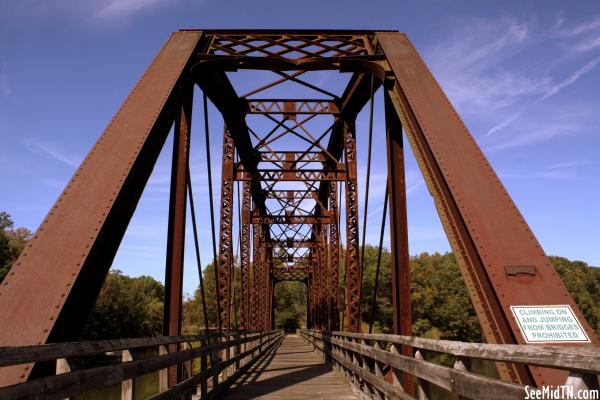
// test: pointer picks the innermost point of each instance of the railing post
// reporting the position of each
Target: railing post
(203, 368)
(216, 361)
(462, 364)
(377, 371)
(364, 361)
(62, 367)
(128, 386)
(423, 387)
(163, 374)
(579, 381)
(396, 375)
(187, 365)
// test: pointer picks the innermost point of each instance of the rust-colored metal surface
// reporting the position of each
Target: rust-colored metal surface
(55, 281)
(400, 263)
(223, 278)
(353, 272)
(486, 231)
(173, 301)
(246, 245)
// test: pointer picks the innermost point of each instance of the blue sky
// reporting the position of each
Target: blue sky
(524, 76)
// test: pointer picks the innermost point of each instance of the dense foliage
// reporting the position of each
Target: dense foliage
(12, 241)
(130, 307)
(126, 307)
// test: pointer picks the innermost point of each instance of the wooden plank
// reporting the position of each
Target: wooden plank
(292, 371)
(463, 383)
(71, 383)
(47, 352)
(582, 359)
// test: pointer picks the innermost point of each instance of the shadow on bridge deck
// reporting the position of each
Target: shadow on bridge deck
(290, 371)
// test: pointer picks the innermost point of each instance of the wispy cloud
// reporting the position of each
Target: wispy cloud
(550, 91)
(27, 11)
(569, 164)
(52, 151)
(498, 72)
(591, 26)
(125, 8)
(4, 83)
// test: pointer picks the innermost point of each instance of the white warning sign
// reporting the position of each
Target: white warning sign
(549, 324)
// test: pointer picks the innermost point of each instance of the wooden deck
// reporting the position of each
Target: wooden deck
(290, 371)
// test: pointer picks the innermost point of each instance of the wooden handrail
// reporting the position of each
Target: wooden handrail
(362, 357)
(45, 352)
(71, 383)
(582, 359)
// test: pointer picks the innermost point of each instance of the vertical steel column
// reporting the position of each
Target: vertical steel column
(353, 272)
(176, 228)
(309, 297)
(225, 231)
(334, 259)
(401, 303)
(324, 305)
(255, 299)
(245, 258)
(317, 282)
(266, 284)
(261, 289)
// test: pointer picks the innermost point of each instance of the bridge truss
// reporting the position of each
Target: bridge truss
(292, 161)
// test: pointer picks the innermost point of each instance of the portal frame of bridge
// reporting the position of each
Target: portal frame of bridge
(57, 278)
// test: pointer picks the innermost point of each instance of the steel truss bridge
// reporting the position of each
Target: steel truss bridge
(289, 162)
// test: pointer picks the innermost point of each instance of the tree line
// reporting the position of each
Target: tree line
(132, 306)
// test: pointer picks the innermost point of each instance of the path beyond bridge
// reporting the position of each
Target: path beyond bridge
(292, 370)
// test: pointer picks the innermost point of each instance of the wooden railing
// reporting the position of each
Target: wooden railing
(209, 364)
(364, 360)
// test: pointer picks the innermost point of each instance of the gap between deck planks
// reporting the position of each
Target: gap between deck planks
(290, 371)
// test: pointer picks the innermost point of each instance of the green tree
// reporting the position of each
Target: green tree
(12, 242)
(126, 307)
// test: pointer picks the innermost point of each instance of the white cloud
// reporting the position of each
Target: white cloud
(33, 11)
(550, 91)
(123, 8)
(52, 151)
(569, 164)
(592, 26)
(498, 72)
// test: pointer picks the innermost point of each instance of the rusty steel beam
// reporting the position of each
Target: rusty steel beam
(173, 299)
(66, 261)
(254, 298)
(245, 259)
(334, 259)
(292, 175)
(299, 157)
(293, 244)
(290, 107)
(218, 88)
(487, 233)
(400, 262)
(324, 269)
(223, 280)
(353, 272)
(292, 219)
